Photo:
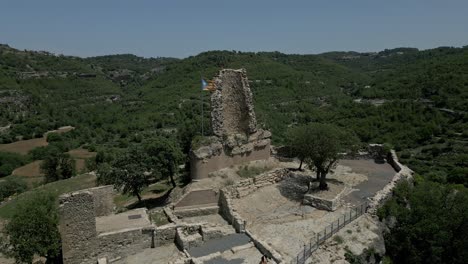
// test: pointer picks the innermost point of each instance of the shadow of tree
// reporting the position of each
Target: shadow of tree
(295, 186)
(151, 203)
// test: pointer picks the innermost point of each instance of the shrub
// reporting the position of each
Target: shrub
(11, 185)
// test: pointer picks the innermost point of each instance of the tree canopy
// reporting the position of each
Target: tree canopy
(321, 145)
(33, 229)
(165, 156)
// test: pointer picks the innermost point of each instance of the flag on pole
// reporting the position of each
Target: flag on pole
(207, 86)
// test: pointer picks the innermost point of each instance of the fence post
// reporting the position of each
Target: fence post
(304, 252)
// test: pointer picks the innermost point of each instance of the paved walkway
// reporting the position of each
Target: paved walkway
(219, 245)
(378, 175)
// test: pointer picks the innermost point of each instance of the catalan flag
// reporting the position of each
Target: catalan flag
(207, 86)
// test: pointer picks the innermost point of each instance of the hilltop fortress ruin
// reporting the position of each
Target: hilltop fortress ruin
(236, 137)
(218, 219)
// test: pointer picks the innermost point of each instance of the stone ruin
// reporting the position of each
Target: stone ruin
(89, 230)
(236, 137)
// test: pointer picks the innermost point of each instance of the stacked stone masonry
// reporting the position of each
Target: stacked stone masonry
(81, 242)
(78, 227)
(236, 138)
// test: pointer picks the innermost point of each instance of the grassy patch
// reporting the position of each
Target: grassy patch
(159, 218)
(250, 172)
(57, 188)
(338, 239)
(152, 191)
(23, 146)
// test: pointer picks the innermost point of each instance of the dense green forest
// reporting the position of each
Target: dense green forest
(416, 101)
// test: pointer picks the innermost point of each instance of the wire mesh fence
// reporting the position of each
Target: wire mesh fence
(328, 232)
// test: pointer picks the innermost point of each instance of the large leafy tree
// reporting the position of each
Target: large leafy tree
(321, 146)
(165, 156)
(297, 142)
(129, 172)
(58, 166)
(33, 229)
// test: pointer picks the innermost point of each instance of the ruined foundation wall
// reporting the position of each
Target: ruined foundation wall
(123, 242)
(103, 200)
(78, 227)
(200, 168)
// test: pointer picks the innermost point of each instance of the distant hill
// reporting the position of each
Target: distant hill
(115, 100)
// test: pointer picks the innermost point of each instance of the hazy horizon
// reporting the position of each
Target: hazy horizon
(181, 29)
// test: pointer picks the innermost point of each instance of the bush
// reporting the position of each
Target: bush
(10, 161)
(11, 185)
(33, 229)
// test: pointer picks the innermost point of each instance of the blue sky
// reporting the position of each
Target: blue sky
(183, 28)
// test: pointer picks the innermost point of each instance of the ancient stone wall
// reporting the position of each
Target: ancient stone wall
(404, 173)
(123, 242)
(233, 110)
(103, 199)
(202, 166)
(237, 139)
(78, 227)
(227, 212)
(248, 186)
(164, 234)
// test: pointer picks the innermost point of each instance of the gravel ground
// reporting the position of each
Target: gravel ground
(164, 254)
(245, 256)
(276, 215)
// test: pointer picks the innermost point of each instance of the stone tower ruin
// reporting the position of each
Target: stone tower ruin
(236, 136)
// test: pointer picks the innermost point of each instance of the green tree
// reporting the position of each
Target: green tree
(297, 141)
(33, 229)
(11, 185)
(327, 143)
(431, 223)
(165, 157)
(129, 172)
(58, 166)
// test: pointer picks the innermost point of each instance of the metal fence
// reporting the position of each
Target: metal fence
(328, 232)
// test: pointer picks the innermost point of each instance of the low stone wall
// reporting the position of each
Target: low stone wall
(188, 236)
(123, 243)
(164, 234)
(196, 211)
(226, 211)
(200, 168)
(381, 196)
(392, 159)
(321, 203)
(248, 186)
(263, 247)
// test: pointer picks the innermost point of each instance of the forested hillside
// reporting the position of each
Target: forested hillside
(415, 101)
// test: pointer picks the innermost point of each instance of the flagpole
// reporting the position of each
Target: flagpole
(202, 114)
(202, 111)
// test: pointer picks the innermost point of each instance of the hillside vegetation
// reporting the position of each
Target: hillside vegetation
(415, 101)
